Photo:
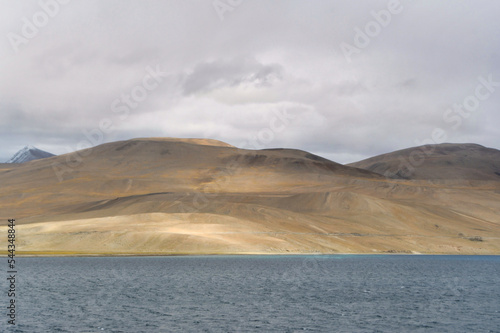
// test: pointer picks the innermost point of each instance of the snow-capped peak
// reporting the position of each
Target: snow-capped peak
(29, 153)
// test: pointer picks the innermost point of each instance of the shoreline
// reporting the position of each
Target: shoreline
(156, 254)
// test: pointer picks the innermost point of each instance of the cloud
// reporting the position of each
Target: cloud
(227, 79)
(209, 76)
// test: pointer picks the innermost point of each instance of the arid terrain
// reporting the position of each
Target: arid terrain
(163, 196)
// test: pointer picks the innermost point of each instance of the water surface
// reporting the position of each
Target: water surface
(348, 293)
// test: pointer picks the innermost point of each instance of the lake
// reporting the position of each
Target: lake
(324, 293)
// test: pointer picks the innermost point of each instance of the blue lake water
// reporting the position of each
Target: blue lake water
(345, 293)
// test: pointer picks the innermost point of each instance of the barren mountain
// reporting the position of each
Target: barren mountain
(442, 161)
(178, 196)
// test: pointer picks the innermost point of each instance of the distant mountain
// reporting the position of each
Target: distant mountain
(29, 153)
(447, 161)
(167, 196)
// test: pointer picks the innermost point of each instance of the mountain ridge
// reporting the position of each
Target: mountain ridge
(441, 161)
(157, 196)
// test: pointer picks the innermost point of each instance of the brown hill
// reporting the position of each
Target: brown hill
(443, 161)
(169, 196)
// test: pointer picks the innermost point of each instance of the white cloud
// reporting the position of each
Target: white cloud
(228, 77)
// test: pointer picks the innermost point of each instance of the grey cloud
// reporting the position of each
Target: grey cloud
(227, 77)
(351, 88)
(408, 84)
(230, 73)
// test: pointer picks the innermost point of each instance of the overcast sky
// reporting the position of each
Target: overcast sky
(342, 79)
